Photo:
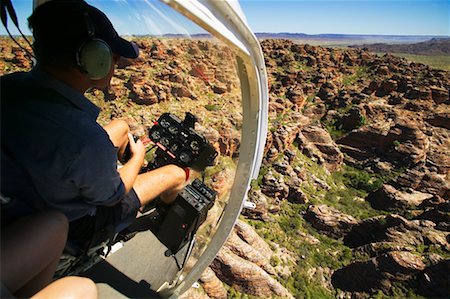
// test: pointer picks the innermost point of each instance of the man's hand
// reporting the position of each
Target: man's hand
(137, 149)
(131, 168)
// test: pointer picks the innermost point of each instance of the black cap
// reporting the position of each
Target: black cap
(66, 24)
(105, 31)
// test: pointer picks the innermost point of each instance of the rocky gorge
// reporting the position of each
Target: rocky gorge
(352, 200)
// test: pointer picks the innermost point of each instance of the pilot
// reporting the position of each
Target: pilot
(54, 154)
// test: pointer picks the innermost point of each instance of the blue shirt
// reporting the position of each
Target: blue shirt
(54, 155)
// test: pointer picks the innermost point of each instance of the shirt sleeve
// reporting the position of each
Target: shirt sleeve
(95, 174)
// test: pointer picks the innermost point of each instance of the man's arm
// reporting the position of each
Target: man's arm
(94, 173)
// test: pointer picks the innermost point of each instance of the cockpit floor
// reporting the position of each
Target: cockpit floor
(137, 270)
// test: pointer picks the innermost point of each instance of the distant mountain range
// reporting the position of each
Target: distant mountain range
(332, 39)
(435, 46)
(324, 39)
(357, 38)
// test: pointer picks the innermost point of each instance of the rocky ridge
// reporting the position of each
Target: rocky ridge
(388, 140)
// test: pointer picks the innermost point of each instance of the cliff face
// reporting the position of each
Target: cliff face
(353, 196)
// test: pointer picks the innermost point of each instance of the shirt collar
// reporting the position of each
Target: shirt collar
(75, 97)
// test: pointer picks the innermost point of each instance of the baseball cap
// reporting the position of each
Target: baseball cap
(65, 24)
(105, 31)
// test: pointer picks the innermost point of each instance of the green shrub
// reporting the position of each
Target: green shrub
(360, 179)
(212, 107)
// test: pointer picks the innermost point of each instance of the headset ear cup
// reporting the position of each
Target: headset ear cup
(95, 57)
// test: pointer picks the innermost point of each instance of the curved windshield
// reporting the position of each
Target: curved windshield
(181, 68)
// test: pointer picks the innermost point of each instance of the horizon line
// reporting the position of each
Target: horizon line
(282, 32)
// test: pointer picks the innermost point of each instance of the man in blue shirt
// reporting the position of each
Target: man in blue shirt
(54, 155)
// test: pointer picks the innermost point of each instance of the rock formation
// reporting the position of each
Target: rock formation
(329, 220)
(330, 108)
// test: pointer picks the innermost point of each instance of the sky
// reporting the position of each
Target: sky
(399, 17)
(377, 17)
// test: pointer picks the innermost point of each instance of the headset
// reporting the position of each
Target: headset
(94, 56)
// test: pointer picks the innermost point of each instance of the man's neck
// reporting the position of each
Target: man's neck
(72, 78)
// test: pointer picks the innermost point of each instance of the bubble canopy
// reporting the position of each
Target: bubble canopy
(239, 55)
